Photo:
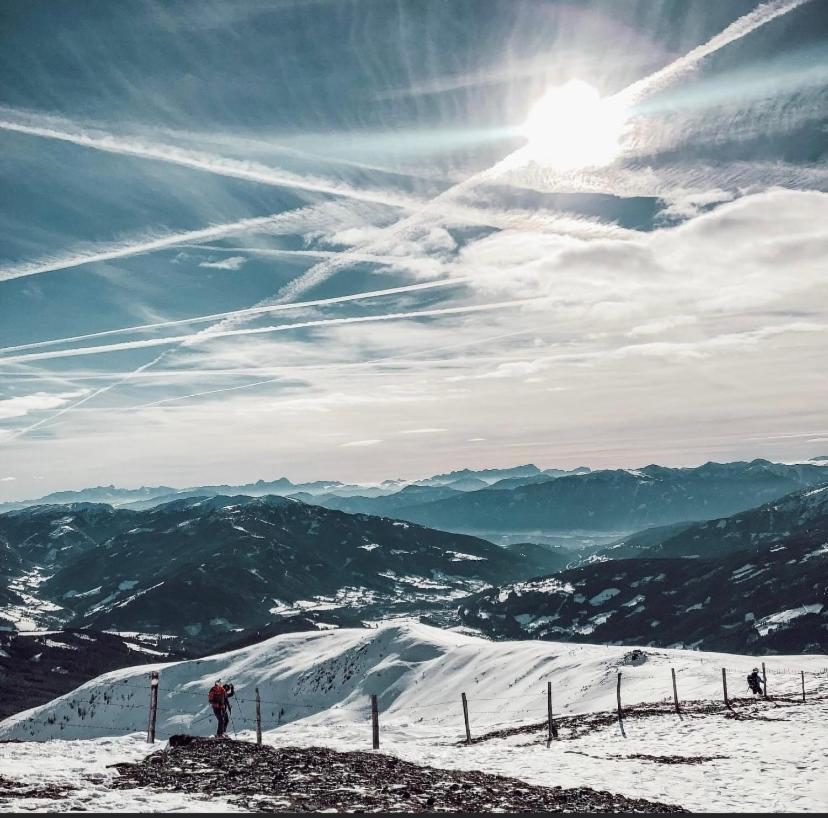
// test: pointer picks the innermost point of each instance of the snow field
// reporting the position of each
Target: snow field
(82, 765)
(315, 691)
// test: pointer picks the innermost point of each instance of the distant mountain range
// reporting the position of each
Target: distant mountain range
(210, 568)
(150, 496)
(519, 502)
(754, 582)
(803, 512)
(618, 500)
(216, 569)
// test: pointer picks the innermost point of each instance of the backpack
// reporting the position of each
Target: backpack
(216, 695)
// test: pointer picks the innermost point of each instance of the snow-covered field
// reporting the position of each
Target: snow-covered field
(315, 689)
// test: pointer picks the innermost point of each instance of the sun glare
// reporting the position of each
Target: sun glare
(571, 127)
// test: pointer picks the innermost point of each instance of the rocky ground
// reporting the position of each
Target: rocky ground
(313, 779)
(9, 788)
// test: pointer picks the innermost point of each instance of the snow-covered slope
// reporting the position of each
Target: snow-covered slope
(315, 690)
(418, 672)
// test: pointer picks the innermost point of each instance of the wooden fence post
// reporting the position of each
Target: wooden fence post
(618, 696)
(258, 719)
(153, 706)
(552, 730)
(724, 687)
(803, 686)
(466, 717)
(675, 690)
(764, 682)
(374, 722)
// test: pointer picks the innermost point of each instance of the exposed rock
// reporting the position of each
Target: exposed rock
(9, 788)
(293, 779)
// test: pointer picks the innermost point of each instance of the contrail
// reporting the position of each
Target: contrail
(761, 15)
(398, 358)
(633, 93)
(70, 378)
(318, 216)
(148, 245)
(246, 311)
(210, 163)
(20, 432)
(178, 340)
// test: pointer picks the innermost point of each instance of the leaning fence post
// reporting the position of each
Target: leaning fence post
(675, 690)
(552, 730)
(803, 686)
(258, 718)
(466, 717)
(618, 696)
(724, 687)
(764, 682)
(374, 722)
(153, 706)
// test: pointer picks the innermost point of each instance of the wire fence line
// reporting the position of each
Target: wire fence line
(513, 707)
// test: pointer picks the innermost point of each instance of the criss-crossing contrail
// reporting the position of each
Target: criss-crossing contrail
(195, 338)
(51, 418)
(637, 91)
(210, 163)
(245, 311)
(657, 81)
(396, 358)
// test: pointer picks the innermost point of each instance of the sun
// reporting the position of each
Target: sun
(572, 127)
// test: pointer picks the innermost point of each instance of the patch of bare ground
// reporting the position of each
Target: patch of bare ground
(293, 779)
(9, 788)
(655, 759)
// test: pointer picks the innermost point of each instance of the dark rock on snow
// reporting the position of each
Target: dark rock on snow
(293, 779)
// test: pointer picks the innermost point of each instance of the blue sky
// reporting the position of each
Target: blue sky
(196, 194)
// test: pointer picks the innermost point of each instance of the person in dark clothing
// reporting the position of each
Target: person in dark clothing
(229, 692)
(755, 682)
(218, 697)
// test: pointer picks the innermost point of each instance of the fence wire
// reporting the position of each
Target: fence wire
(784, 684)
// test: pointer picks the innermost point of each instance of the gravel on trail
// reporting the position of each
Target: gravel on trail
(294, 779)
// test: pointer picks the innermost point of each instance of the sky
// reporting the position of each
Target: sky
(368, 239)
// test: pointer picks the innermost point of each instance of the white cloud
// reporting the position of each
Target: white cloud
(654, 334)
(232, 263)
(422, 431)
(22, 405)
(759, 250)
(663, 324)
(7, 479)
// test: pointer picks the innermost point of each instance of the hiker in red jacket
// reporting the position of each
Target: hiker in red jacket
(218, 698)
